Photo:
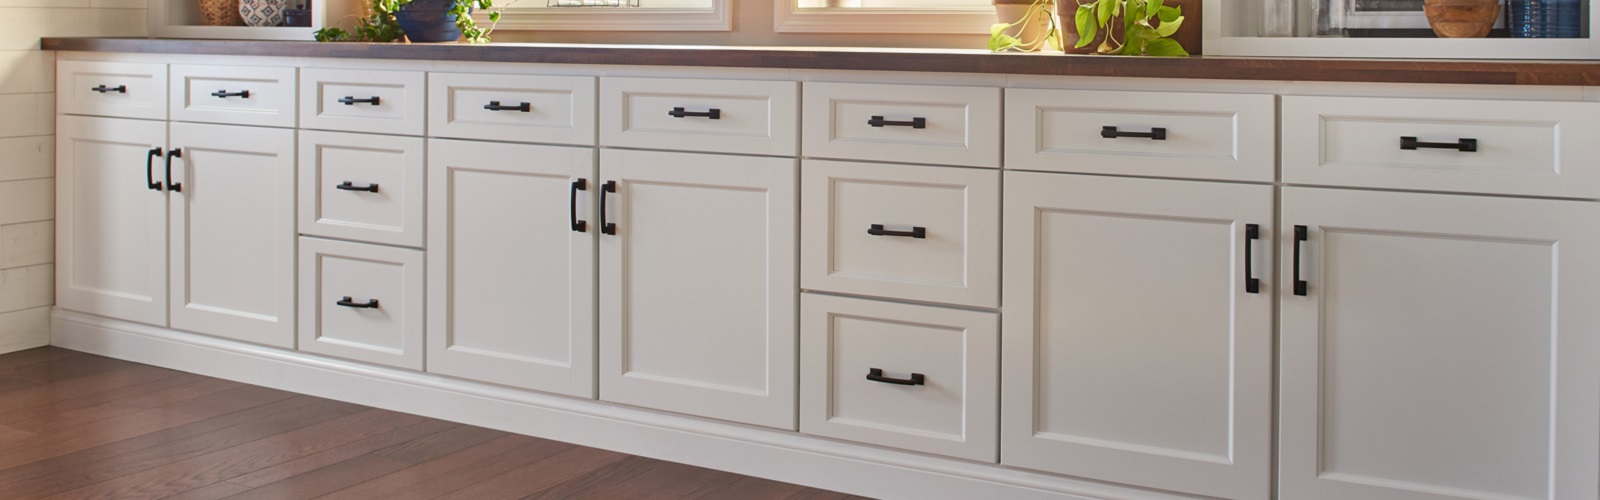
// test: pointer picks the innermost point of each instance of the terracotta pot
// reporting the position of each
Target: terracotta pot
(220, 13)
(1010, 11)
(1461, 18)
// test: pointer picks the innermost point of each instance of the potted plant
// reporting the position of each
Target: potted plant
(420, 21)
(1128, 27)
(1034, 27)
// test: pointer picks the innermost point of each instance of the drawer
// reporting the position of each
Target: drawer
(238, 95)
(123, 90)
(362, 187)
(1536, 148)
(903, 123)
(723, 116)
(901, 231)
(512, 108)
(380, 102)
(949, 357)
(361, 302)
(1195, 136)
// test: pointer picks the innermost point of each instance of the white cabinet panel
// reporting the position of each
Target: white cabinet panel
(725, 116)
(123, 90)
(361, 302)
(512, 108)
(236, 95)
(903, 123)
(378, 102)
(362, 187)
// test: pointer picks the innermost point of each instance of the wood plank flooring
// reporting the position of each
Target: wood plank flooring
(79, 426)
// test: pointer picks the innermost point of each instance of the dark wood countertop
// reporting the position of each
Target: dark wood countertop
(875, 59)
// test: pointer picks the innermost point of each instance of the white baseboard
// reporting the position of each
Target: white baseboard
(777, 455)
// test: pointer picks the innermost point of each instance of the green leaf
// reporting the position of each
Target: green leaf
(1002, 42)
(1167, 28)
(1153, 7)
(1168, 14)
(1106, 8)
(1165, 47)
(1056, 43)
(1084, 19)
(997, 28)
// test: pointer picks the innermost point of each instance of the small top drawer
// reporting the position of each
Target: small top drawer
(512, 108)
(237, 95)
(1537, 148)
(903, 123)
(381, 102)
(1196, 136)
(124, 90)
(725, 116)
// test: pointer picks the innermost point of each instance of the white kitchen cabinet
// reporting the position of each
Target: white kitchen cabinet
(361, 302)
(698, 284)
(1440, 347)
(1136, 351)
(511, 265)
(232, 224)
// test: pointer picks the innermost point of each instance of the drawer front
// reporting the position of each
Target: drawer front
(1196, 136)
(361, 302)
(1501, 147)
(512, 108)
(238, 95)
(123, 90)
(362, 187)
(381, 102)
(900, 231)
(903, 123)
(951, 357)
(724, 116)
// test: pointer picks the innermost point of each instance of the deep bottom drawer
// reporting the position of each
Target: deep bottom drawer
(361, 302)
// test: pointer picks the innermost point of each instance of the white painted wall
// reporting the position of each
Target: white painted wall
(27, 151)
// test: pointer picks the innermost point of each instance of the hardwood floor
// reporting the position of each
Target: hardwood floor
(79, 426)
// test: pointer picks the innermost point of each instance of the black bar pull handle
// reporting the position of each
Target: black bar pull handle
(149, 168)
(1300, 236)
(1462, 145)
(572, 205)
(1157, 134)
(876, 375)
(915, 232)
(351, 186)
(173, 186)
(496, 106)
(351, 100)
(120, 89)
(351, 303)
(714, 113)
(1252, 284)
(606, 227)
(223, 94)
(916, 123)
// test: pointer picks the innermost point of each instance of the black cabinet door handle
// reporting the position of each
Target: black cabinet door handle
(915, 232)
(1462, 145)
(120, 89)
(351, 303)
(495, 106)
(223, 94)
(606, 227)
(572, 205)
(149, 168)
(876, 375)
(1300, 236)
(351, 186)
(173, 186)
(351, 100)
(1252, 284)
(714, 114)
(916, 123)
(1158, 133)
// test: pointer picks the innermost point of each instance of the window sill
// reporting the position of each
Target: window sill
(967, 21)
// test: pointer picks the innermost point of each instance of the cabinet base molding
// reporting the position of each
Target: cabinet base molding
(769, 454)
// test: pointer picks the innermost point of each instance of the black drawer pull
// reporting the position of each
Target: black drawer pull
(495, 106)
(606, 227)
(223, 94)
(149, 167)
(351, 100)
(876, 375)
(572, 205)
(173, 186)
(1158, 133)
(351, 303)
(916, 123)
(350, 186)
(915, 232)
(120, 89)
(1300, 236)
(1462, 145)
(714, 114)
(1252, 284)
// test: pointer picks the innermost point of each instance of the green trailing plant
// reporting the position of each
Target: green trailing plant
(1039, 10)
(381, 26)
(1147, 26)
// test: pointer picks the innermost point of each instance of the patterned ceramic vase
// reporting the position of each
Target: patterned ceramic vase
(220, 13)
(263, 12)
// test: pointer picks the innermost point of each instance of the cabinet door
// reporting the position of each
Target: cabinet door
(1445, 347)
(1135, 350)
(510, 277)
(232, 226)
(111, 217)
(699, 285)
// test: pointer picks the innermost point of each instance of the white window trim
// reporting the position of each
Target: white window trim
(716, 18)
(790, 18)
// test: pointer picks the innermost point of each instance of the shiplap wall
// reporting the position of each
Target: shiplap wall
(27, 150)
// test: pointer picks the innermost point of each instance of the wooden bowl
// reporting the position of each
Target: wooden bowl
(1461, 18)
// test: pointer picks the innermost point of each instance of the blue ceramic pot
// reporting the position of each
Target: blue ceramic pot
(426, 21)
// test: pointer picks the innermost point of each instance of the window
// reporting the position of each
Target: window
(618, 15)
(884, 16)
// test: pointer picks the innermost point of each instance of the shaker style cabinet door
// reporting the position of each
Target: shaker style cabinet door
(111, 218)
(233, 232)
(1438, 347)
(511, 264)
(699, 284)
(1137, 349)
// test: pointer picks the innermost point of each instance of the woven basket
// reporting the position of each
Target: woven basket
(220, 13)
